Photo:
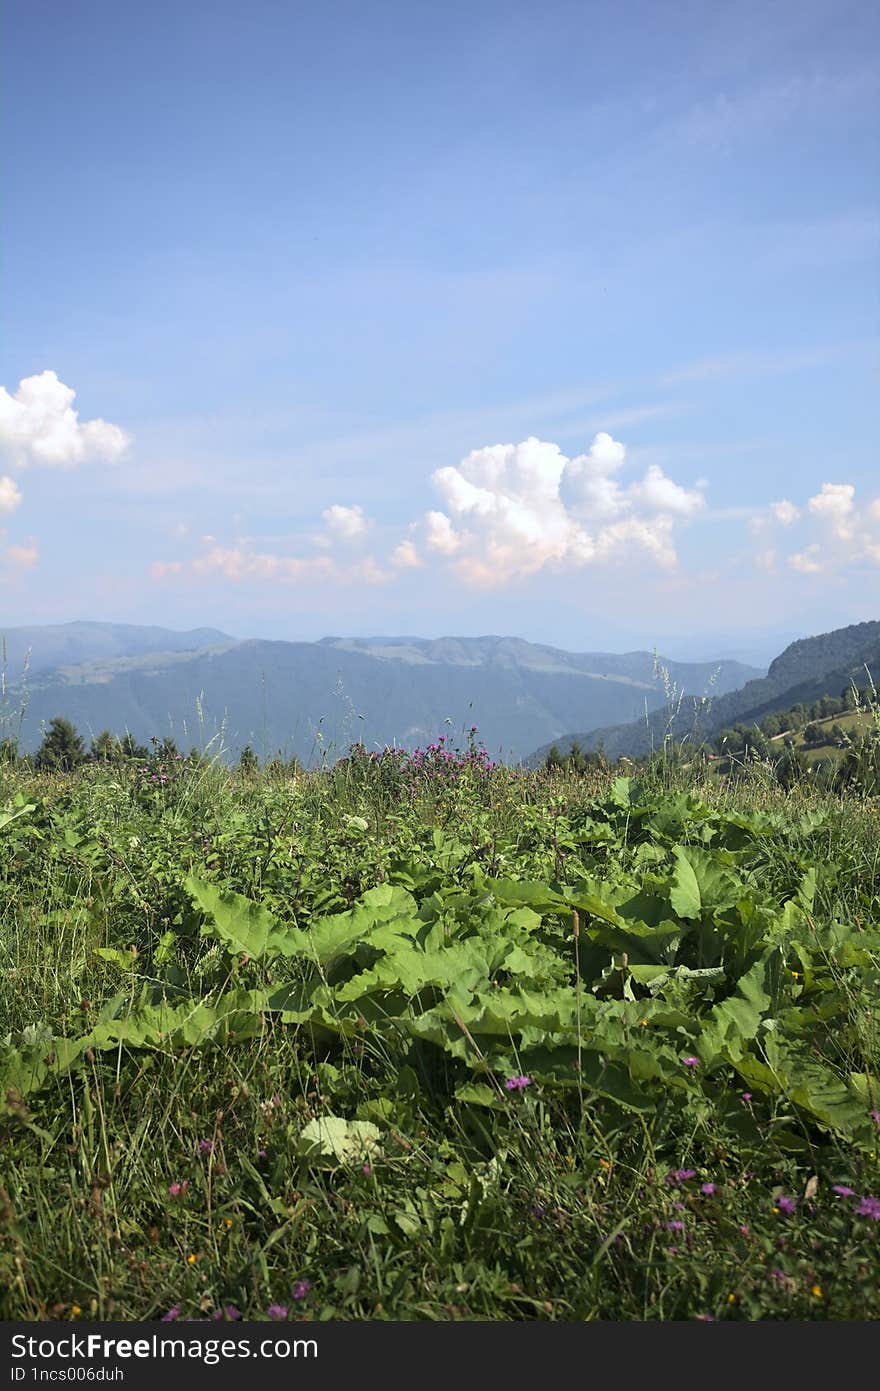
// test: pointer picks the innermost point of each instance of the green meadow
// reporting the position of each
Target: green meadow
(416, 1037)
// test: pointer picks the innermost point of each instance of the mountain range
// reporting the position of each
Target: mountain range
(314, 699)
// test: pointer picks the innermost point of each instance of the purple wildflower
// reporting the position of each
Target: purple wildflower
(206, 1146)
(842, 1191)
(710, 1189)
(875, 1117)
(301, 1289)
(676, 1176)
(691, 1061)
(778, 1274)
(262, 1154)
(367, 1169)
(746, 1097)
(231, 1312)
(869, 1207)
(674, 1226)
(172, 1314)
(517, 1084)
(176, 1189)
(785, 1204)
(278, 1312)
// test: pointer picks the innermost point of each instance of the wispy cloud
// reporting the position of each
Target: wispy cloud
(22, 557)
(732, 366)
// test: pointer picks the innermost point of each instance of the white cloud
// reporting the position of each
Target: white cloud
(785, 512)
(240, 564)
(405, 556)
(344, 523)
(848, 534)
(511, 509)
(835, 505)
(658, 493)
(440, 534)
(22, 557)
(38, 426)
(10, 494)
(806, 562)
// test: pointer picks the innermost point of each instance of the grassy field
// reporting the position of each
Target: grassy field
(425, 1039)
(853, 723)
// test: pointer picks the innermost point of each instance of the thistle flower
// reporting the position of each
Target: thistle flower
(676, 1176)
(869, 1207)
(517, 1084)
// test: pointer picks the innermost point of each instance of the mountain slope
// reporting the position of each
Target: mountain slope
(805, 671)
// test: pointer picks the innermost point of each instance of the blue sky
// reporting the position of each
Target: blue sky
(559, 321)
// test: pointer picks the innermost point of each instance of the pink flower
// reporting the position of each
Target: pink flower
(842, 1191)
(709, 1189)
(176, 1189)
(691, 1061)
(869, 1207)
(301, 1289)
(278, 1312)
(786, 1205)
(517, 1084)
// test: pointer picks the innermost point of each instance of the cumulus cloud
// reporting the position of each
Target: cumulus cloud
(843, 533)
(39, 427)
(835, 505)
(10, 494)
(511, 509)
(440, 534)
(657, 493)
(344, 523)
(785, 512)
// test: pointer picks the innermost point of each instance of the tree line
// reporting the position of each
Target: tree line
(781, 741)
(63, 750)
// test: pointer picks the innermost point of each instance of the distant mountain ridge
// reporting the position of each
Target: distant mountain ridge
(54, 645)
(315, 699)
(805, 671)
